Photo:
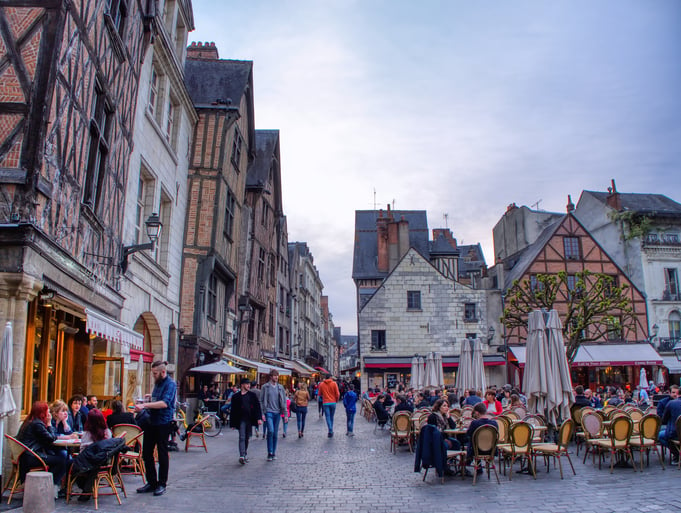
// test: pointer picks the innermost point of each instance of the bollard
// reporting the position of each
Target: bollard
(39, 493)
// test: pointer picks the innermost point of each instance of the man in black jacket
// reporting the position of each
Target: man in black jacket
(245, 414)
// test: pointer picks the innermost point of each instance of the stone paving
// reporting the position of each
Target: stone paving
(343, 474)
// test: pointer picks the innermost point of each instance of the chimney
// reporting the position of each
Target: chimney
(403, 236)
(382, 239)
(447, 234)
(570, 206)
(207, 51)
(511, 207)
(614, 200)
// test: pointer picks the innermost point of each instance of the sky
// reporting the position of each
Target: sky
(456, 107)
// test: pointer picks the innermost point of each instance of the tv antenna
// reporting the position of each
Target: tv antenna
(536, 205)
(446, 216)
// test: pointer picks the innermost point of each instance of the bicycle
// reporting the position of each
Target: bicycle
(213, 427)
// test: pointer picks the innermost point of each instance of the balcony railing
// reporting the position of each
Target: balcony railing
(667, 344)
(666, 239)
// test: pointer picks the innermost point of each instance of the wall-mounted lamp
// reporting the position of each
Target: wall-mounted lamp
(654, 330)
(490, 334)
(154, 225)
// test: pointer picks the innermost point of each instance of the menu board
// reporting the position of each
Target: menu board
(391, 380)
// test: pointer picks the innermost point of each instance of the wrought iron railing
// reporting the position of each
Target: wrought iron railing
(667, 344)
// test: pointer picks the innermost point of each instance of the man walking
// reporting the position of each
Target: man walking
(245, 414)
(157, 433)
(328, 391)
(350, 403)
(273, 405)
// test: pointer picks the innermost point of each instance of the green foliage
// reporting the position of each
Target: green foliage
(633, 224)
(593, 308)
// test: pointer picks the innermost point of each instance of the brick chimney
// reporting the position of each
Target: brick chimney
(614, 200)
(570, 206)
(383, 263)
(201, 50)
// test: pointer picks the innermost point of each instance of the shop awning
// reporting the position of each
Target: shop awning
(322, 370)
(606, 355)
(306, 367)
(672, 364)
(219, 367)
(112, 330)
(404, 362)
(260, 367)
(294, 366)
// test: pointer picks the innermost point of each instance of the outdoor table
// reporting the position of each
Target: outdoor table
(455, 432)
(213, 405)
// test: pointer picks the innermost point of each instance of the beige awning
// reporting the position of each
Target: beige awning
(110, 329)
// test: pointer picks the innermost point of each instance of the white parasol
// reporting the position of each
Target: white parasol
(478, 367)
(535, 381)
(422, 373)
(139, 389)
(464, 378)
(643, 379)
(7, 404)
(439, 370)
(415, 374)
(559, 393)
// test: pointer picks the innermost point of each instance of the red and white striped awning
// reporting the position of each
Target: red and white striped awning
(105, 327)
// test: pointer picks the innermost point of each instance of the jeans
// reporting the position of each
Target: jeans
(301, 413)
(351, 419)
(272, 419)
(244, 435)
(329, 411)
(156, 436)
(320, 406)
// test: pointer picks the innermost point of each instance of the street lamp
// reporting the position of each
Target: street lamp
(654, 329)
(490, 334)
(154, 225)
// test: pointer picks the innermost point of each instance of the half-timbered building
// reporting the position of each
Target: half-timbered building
(69, 73)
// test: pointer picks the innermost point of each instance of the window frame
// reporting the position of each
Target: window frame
(570, 245)
(378, 340)
(414, 300)
(466, 312)
(100, 128)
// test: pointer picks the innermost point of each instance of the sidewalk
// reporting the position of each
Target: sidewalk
(348, 475)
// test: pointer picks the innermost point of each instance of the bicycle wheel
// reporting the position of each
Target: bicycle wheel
(213, 427)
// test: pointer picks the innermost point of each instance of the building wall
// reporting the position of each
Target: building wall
(438, 326)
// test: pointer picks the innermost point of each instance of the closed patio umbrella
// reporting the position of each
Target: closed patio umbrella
(439, 370)
(431, 374)
(139, 391)
(535, 381)
(643, 379)
(422, 373)
(7, 404)
(414, 379)
(559, 394)
(660, 376)
(478, 367)
(464, 378)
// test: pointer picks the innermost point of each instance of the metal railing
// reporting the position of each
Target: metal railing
(667, 344)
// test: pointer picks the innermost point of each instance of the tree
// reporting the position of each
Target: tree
(595, 306)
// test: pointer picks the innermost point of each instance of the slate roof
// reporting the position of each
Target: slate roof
(265, 146)
(442, 247)
(642, 203)
(471, 259)
(210, 80)
(365, 257)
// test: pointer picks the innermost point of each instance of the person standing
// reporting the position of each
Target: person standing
(255, 388)
(301, 398)
(328, 391)
(157, 433)
(350, 403)
(245, 414)
(273, 406)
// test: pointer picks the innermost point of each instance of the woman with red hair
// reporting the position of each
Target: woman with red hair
(95, 429)
(38, 435)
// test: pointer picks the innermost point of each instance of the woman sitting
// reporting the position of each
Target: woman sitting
(76, 416)
(382, 415)
(119, 416)
(95, 428)
(492, 406)
(38, 435)
(441, 419)
(60, 419)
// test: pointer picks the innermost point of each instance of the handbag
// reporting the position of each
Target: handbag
(293, 406)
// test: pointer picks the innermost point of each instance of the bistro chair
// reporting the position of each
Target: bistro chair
(618, 441)
(519, 448)
(197, 431)
(647, 438)
(400, 431)
(556, 450)
(577, 414)
(131, 462)
(677, 442)
(484, 450)
(536, 421)
(592, 425)
(16, 450)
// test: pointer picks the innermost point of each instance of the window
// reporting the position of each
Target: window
(535, 283)
(671, 283)
(675, 325)
(469, 313)
(153, 91)
(273, 270)
(671, 238)
(212, 296)
(413, 300)
(265, 213)
(236, 149)
(100, 127)
(163, 243)
(170, 120)
(571, 246)
(271, 319)
(614, 328)
(118, 10)
(230, 209)
(609, 285)
(377, 340)
(261, 265)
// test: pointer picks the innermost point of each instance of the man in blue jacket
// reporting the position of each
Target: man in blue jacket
(350, 403)
(671, 413)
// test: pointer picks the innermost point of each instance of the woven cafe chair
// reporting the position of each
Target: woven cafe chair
(519, 448)
(400, 430)
(484, 450)
(555, 451)
(16, 449)
(197, 431)
(131, 462)
(647, 438)
(592, 425)
(618, 441)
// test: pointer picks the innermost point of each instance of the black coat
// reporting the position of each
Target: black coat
(120, 418)
(38, 437)
(431, 450)
(245, 407)
(97, 454)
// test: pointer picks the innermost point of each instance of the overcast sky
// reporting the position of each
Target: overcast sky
(454, 106)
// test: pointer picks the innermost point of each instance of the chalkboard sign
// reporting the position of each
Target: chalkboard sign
(391, 380)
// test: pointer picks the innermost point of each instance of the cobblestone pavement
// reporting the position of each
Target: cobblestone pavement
(343, 474)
